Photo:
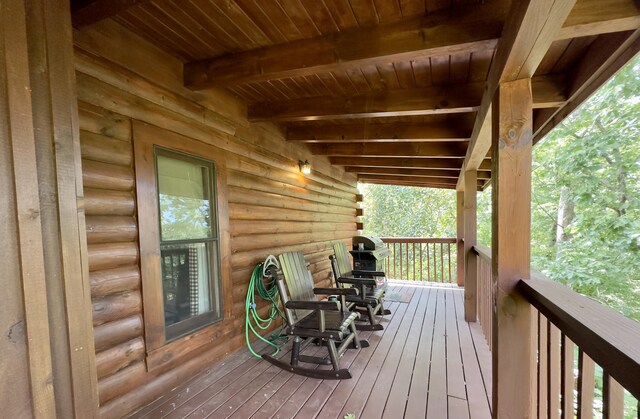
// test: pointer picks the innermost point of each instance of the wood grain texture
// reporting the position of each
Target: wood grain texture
(470, 240)
(511, 221)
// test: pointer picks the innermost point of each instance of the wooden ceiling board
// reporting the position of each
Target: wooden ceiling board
(365, 12)
(422, 72)
(388, 11)
(342, 13)
(479, 65)
(572, 54)
(459, 66)
(358, 80)
(345, 83)
(412, 7)
(373, 77)
(388, 76)
(279, 17)
(320, 16)
(237, 17)
(404, 73)
(552, 56)
(261, 20)
(440, 70)
(331, 84)
(300, 18)
(437, 5)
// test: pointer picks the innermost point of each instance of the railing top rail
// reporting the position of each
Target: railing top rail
(609, 338)
(445, 240)
(483, 251)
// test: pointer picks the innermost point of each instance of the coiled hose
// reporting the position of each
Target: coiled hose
(267, 290)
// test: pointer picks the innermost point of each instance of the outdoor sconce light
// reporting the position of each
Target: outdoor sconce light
(305, 167)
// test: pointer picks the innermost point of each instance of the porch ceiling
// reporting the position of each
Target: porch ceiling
(400, 87)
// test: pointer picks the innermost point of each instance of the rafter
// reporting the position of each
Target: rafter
(358, 132)
(549, 91)
(461, 31)
(424, 149)
(429, 173)
(412, 179)
(399, 162)
(84, 13)
(595, 17)
(529, 31)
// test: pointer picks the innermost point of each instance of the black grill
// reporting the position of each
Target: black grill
(368, 253)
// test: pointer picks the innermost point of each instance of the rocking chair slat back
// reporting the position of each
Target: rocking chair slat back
(298, 280)
(342, 258)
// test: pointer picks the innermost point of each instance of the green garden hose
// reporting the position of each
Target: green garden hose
(269, 292)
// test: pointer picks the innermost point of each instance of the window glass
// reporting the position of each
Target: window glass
(189, 242)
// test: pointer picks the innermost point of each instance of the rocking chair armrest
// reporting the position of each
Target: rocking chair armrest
(357, 281)
(335, 291)
(368, 273)
(313, 305)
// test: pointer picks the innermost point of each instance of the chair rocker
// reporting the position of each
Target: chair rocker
(325, 323)
(370, 298)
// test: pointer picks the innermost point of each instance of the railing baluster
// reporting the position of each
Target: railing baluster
(567, 381)
(449, 260)
(394, 261)
(543, 369)
(413, 252)
(612, 398)
(435, 264)
(441, 262)
(554, 370)
(401, 277)
(586, 385)
(420, 261)
(428, 264)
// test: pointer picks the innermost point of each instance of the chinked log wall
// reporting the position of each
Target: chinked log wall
(272, 208)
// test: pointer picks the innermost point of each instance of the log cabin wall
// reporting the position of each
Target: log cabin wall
(123, 81)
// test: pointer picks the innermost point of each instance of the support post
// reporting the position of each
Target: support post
(41, 179)
(460, 237)
(470, 240)
(511, 235)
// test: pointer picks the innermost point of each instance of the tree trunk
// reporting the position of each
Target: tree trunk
(566, 213)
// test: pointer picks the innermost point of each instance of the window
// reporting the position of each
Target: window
(189, 241)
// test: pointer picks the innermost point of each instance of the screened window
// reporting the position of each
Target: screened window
(189, 241)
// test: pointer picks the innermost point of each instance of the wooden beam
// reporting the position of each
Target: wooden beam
(513, 358)
(412, 179)
(453, 174)
(424, 163)
(530, 29)
(605, 56)
(450, 131)
(406, 102)
(85, 13)
(460, 98)
(460, 238)
(595, 17)
(459, 31)
(407, 183)
(470, 240)
(424, 149)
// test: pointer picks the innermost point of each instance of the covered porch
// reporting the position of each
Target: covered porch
(440, 94)
(427, 362)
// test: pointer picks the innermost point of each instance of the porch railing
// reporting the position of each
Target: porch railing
(587, 358)
(485, 292)
(421, 259)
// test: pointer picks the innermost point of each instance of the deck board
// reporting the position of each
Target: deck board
(427, 362)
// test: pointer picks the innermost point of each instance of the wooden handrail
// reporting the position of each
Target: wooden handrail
(483, 251)
(445, 240)
(609, 338)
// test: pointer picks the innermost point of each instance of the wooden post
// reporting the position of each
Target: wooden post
(460, 237)
(42, 175)
(470, 240)
(511, 224)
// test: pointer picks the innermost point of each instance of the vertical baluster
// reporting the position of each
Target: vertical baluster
(612, 398)
(543, 371)
(420, 261)
(408, 269)
(449, 259)
(553, 371)
(428, 264)
(413, 251)
(586, 385)
(394, 262)
(401, 261)
(435, 264)
(567, 381)
(442, 262)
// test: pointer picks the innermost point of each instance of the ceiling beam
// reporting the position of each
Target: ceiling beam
(412, 184)
(404, 102)
(548, 91)
(606, 55)
(401, 131)
(399, 162)
(595, 17)
(423, 149)
(458, 31)
(84, 13)
(429, 173)
(413, 179)
(530, 29)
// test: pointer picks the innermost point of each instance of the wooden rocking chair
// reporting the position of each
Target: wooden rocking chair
(325, 323)
(370, 298)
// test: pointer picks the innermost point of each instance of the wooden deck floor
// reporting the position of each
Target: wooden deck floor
(426, 363)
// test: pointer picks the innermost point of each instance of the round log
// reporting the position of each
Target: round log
(104, 149)
(242, 227)
(115, 307)
(113, 333)
(114, 281)
(122, 382)
(104, 202)
(106, 176)
(114, 359)
(110, 229)
(112, 255)
(98, 120)
(252, 212)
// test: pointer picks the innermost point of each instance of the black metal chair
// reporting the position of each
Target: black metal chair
(370, 298)
(325, 323)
